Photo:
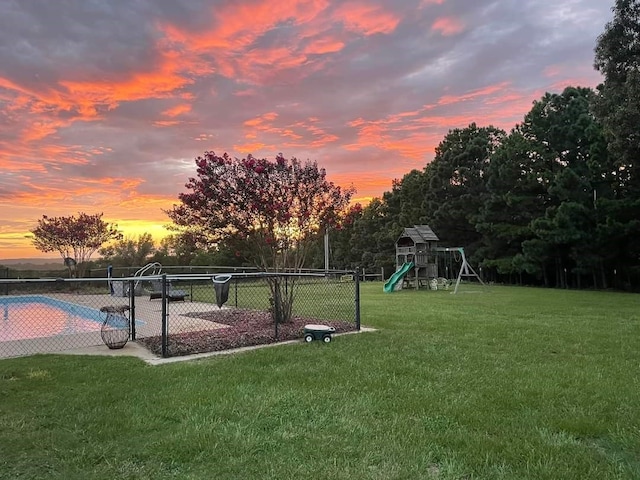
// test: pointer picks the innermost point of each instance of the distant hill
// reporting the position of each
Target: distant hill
(33, 263)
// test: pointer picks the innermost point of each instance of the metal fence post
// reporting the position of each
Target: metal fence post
(276, 304)
(235, 283)
(165, 319)
(132, 309)
(357, 299)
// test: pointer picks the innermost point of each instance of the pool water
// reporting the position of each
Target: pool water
(36, 316)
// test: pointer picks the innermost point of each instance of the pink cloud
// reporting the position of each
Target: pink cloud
(324, 45)
(366, 18)
(474, 94)
(552, 71)
(238, 54)
(447, 26)
(300, 76)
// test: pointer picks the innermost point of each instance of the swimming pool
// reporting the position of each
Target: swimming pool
(35, 316)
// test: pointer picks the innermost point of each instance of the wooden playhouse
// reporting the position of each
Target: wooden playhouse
(418, 245)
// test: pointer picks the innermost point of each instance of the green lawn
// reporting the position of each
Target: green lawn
(516, 383)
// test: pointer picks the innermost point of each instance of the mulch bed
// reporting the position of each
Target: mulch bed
(244, 328)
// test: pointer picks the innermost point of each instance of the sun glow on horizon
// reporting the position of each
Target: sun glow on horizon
(368, 90)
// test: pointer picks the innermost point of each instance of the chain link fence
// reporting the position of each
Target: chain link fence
(173, 314)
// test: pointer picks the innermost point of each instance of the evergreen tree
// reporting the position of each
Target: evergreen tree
(406, 202)
(456, 184)
(617, 57)
(515, 197)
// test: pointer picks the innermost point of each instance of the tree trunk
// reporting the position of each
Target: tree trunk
(603, 275)
(282, 297)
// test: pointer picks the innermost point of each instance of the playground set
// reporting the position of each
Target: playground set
(419, 261)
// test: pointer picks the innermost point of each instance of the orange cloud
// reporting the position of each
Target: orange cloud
(252, 147)
(237, 25)
(236, 28)
(47, 112)
(24, 97)
(474, 94)
(414, 134)
(306, 133)
(366, 18)
(323, 45)
(56, 106)
(18, 165)
(260, 121)
(447, 26)
(117, 197)
(392, 135)
(203, 137)
(21, 157)
(177, 110)
(85, 192)
(247, 92)
(158, 83)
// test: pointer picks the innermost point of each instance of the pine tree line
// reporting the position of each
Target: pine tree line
(554, 202)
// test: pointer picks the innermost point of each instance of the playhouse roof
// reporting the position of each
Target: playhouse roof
(420, 234)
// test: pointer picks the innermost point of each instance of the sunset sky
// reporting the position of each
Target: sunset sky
(105, 104)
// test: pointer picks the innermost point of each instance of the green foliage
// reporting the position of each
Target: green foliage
(222, 255)
(274, 211)
(177, 249)
(75, 238)
(618, 107)
(456, 180)
(366, 239)
(515, 196)
(539, 211)
(555, 202)
(129, 252)
(544, 204)
(405, 204)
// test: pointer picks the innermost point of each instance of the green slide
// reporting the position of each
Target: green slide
(390, 284)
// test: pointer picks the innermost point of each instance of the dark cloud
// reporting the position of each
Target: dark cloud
(106, 104)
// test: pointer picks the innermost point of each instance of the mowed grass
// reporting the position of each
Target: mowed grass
(516, 383)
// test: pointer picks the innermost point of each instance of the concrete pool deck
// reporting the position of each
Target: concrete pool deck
(149, 316)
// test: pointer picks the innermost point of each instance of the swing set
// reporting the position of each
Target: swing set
(466, 272)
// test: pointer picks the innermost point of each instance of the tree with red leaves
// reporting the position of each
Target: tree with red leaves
(75, 238)
(275, 210)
